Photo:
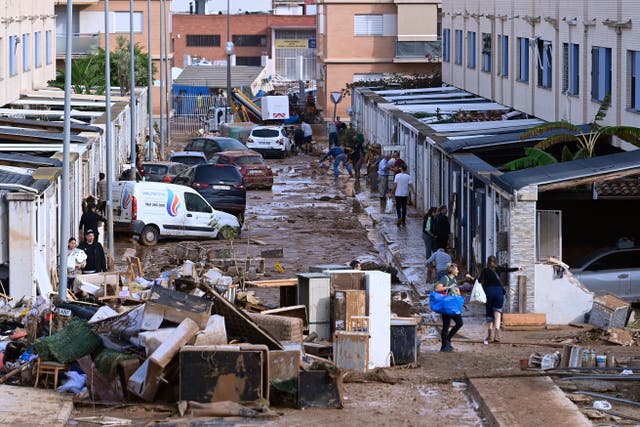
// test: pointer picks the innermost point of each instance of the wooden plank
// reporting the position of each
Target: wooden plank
(275, 283)
(522, 319)
(27, 406)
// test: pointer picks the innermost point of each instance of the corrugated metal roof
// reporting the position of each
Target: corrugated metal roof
(29, 159)
(216, 76)
(450, 108)
(566, 171)
(26, 135)
(475, 165)
(456, 144)
(9, 177)
(41, 124)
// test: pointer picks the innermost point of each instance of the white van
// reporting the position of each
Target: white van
(152, 210)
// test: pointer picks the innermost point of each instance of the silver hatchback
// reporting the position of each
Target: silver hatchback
(611, 271)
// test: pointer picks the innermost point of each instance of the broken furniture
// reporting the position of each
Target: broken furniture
(177, 306)
(237, 373)
(288, 294)
(320, 389)
(609, 311)
(404, 340)
(351, 350)
(46, 368)
(314, 292)
(346, 305)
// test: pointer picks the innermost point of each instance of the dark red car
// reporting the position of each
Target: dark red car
(255, 172)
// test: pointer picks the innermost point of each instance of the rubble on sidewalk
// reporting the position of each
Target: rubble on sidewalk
(184, 337)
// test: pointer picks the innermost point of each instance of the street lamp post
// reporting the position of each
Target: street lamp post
(228, 49)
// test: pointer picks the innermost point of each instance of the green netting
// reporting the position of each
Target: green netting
(71, 343)
(107, 360)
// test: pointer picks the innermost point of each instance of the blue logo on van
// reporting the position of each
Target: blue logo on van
(173, 203)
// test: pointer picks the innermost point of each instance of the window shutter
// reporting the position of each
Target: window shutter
(368, 25)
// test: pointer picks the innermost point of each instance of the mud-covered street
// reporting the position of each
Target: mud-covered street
(315, 220)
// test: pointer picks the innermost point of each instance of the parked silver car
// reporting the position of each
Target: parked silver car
(611, 271)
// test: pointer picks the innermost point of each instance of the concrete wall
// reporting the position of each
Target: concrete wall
(563, 300)
(17, 18)
(583, 22)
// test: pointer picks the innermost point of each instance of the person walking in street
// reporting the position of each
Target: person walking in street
(101, 192)
(338, 157)
(402, 190)
(332, 129)
(357, 155)
(96, 262)
(448, 285)
(383, 178)
(428, 236)
(493, 288)
(308, 136)
(442, 228)
(441, 259)
(90, 219)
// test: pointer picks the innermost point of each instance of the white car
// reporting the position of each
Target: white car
(269, 141)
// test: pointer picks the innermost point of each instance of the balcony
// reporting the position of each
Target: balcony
(421, 51)
(76, 2)
(81, 44)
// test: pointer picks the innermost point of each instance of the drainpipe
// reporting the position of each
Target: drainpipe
(107, 130)
(132, 90)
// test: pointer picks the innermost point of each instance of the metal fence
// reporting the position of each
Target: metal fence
(191, 112)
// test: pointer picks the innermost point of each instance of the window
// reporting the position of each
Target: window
(544, 64)
(121, 22)
(250, 40)
(600, 72)
(426, 49)
(446, 45)
(13, 41)
(47, 46)
(486, 52)
(203, 40)
(458, 35)
(634, 61)
(195, 203)
(254, 61)
(471, 49)
(570, 68)
(368, 25)
(523, 59)
(504, 55)
(26, 65)
(38, 55)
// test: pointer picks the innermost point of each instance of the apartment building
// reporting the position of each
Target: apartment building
(256, 37)
(27, 46)
(366, 39)
(88, 31)
(554, 60)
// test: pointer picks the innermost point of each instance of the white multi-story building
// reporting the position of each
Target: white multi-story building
(551, 59)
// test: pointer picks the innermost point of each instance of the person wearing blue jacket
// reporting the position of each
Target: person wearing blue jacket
(338, 157)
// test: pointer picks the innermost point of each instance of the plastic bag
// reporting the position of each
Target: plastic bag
(445, 304)
(477, 293)
(390, 205)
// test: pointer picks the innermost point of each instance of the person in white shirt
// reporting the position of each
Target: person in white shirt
(402, 189)
(308, 136)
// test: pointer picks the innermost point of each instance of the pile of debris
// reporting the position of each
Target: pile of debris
(182, 338)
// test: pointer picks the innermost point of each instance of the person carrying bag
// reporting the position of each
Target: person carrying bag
(446, 300)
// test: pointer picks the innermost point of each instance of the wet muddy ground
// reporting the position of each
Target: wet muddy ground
(317, 221)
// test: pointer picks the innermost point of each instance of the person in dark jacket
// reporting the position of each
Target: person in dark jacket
(442, 228)
(96, 262)
(338, 157)
(493, 288)
(90, 219)
(428, 227)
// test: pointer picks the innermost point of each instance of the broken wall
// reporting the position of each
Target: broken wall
(563, 299)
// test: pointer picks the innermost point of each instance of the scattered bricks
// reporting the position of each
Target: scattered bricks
(272, 253)
(524, 319)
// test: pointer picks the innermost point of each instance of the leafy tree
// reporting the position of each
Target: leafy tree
(87, 73)
(569, 134)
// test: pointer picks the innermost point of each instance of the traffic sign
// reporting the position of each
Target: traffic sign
(336, 97)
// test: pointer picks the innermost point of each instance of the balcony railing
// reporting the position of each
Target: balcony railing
(430, 50)
(81, 44)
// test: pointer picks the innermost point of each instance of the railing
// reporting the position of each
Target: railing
(81, 44)
(426, 49)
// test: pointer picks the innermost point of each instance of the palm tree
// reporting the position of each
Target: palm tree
(570, 133)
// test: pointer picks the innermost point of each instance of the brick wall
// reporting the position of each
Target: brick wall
(522, 226)
(251, 24)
